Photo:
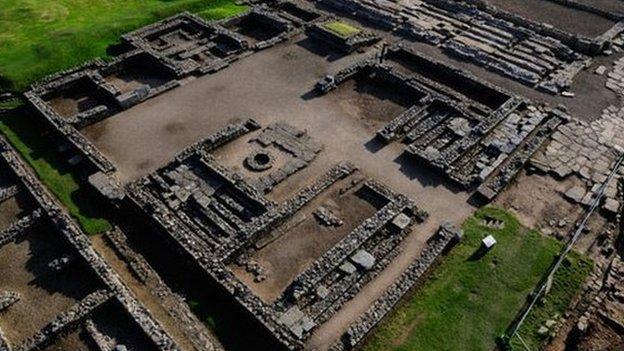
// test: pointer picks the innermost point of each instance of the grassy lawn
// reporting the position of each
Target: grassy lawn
(342, 29)
(40, 37)
(35, 148)
(470, 299)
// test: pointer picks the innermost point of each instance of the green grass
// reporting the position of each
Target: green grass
(342, 29)
(10, 104)
(469, 301)
(31, 142)
(566, 283)
(40, 37)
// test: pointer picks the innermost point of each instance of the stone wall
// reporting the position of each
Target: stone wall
(366, 323)
(66, 321)
(69, 231)
(19, 227)
(482, 36)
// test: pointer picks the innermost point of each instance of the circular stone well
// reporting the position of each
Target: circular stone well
(259, 161)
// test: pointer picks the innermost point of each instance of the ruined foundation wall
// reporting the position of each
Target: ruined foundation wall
(78, 240)
(366, 323)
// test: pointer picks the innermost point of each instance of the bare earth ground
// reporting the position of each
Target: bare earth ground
(75, 341)
(44, 293)
(558, 15)
(10, 211)
(537, 199)
(275, 85)
(303, 239)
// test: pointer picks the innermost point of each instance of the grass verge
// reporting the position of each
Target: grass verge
(547, 312)
(32, 143)
(470, 299)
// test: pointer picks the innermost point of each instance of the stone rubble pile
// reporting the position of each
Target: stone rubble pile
(327, 217)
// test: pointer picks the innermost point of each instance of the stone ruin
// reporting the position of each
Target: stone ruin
(590, 150)
(217, 218)
(446, 236)
(298, 144)
(157, 58)
(534, 54)
(477, 134)
(110, 291)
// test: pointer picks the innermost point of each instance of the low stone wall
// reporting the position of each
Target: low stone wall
(69, 231)
(221, 137)
(19, 227)
(8, 192)
(66, 320)
(359, 329)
